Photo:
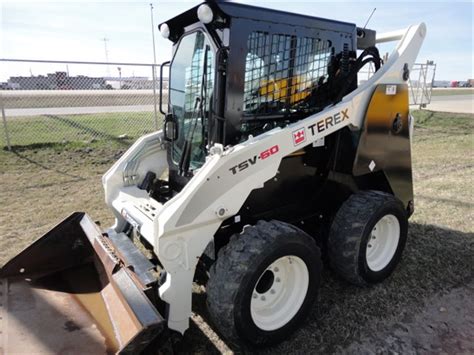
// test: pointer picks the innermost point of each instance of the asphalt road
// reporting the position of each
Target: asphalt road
(452, 103)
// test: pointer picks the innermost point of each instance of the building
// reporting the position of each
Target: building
(55, 81)
(441, 84)
(135, 83)
(61, 81)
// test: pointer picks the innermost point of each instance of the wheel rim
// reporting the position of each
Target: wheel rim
(279, 293)
(383, 242)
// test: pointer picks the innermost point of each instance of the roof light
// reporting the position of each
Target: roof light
(205, 14)
(165, 30)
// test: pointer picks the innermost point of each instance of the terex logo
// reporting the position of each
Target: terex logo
(328, 122)
(252, 161)
(299, 136)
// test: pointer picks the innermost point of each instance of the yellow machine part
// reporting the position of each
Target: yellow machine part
(296, 88)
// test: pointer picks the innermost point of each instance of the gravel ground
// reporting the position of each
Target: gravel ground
(424, 307)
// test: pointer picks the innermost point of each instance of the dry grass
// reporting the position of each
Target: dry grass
(42, 186)
(78, 128)
(443, 164)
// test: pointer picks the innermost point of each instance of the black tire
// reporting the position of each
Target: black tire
(351, 231)
(237, 270)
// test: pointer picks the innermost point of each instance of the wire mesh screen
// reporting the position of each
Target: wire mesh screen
(281, 71)
(46, 103)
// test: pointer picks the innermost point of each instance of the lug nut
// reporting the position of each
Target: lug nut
(255, 295)
(272, 292)
(370, 245)
(262, 298)
(276, 269)
(277, 279)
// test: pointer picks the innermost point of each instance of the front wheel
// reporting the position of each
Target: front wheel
(264, 283)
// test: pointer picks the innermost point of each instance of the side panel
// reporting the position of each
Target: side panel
(384, 144)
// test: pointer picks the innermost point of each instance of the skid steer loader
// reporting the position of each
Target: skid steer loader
(270, 153)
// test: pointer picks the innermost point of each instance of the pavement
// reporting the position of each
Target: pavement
(452, 103)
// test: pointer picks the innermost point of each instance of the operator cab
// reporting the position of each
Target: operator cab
(239, 70)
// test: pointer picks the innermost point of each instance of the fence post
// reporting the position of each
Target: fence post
(154, 96)
(5, 126)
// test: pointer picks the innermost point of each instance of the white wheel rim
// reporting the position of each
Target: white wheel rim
(279, 293)
(383, 242)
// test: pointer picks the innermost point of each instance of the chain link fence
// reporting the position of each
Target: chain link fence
(51, 102)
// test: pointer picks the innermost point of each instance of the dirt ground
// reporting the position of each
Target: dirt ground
(424, 307)
(444, 325)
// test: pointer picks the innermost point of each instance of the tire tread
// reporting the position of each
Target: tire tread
(233, 264)
(348, 227)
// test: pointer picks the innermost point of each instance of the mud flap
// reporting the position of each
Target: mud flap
(76, 290)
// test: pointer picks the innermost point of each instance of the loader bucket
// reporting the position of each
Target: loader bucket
(77, 291)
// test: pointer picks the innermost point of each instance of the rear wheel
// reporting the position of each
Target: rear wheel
(367, 237)
(264, 283)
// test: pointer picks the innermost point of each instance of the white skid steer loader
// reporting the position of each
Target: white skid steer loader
(270, 153)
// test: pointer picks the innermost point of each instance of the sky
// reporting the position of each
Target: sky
(74, 30)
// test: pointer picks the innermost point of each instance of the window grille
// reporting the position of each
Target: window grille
(281, 71)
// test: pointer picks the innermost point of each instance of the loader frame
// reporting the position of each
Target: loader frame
(180, 229)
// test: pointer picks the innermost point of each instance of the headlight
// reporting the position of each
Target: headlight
(205, 14)
(165, 30)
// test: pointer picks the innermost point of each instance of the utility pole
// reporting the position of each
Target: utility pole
(155, 110)
(153, 33)
(105, 39)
